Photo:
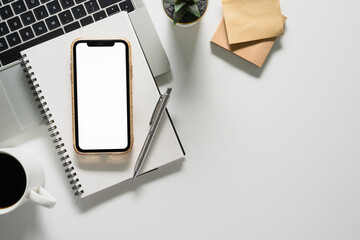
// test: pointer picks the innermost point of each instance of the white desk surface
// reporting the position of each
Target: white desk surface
(272, 153)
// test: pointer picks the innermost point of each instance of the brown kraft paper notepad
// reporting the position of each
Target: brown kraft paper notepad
(253, 51)
(251, 20)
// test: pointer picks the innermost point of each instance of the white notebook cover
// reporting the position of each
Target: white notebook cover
(50, 63)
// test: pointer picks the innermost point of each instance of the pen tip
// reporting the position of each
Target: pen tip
(134, 176)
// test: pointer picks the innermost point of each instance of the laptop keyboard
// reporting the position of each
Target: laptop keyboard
(26, 23)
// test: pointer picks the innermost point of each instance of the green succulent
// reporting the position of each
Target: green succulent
(184, 6)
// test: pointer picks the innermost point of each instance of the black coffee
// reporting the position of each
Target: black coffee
(12, 180)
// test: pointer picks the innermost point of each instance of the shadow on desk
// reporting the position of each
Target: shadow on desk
(242, 64)
(184, 41)
(17, 224)
(128, 186)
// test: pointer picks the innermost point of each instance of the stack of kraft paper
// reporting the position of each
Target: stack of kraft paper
(249, 28)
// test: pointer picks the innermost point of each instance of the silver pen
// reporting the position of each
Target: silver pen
(154, 123)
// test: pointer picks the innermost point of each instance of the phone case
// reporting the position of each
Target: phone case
(130, 70)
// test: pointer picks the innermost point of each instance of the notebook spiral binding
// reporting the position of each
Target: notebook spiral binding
(52, 128)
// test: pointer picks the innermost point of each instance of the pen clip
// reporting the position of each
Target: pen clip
(156, 110)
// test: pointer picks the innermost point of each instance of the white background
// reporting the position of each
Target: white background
(272, 153)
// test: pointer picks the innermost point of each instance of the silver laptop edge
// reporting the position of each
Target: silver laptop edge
(149, 40)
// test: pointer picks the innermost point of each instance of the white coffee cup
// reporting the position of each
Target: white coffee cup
(21, 179)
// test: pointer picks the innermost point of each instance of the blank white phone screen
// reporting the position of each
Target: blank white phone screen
(102, 96)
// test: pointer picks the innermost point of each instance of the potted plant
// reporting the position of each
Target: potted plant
(185, 12)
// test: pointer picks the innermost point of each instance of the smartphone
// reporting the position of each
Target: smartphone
(101, 96)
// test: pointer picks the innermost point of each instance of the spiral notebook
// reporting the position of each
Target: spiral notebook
(48, 68)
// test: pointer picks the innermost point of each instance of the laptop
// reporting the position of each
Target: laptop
(26, 23)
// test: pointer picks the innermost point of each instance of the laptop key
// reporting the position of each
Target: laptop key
(112, 10)
(39, 28)
(127, 6)
(3, 29)
(27, 18)
(14, 23)
(7, 1)
(3, 44)
(13, 39)
(52, 22)
(65, 17)
(67, 3)
(79, 1)
(53, 7)
(13, 54)
(6, 12)
(26, 34)
(72, 27)
(41, 13)
(18, 6)
(86, 21)
(91, 6)
(78, 11)
(106, 3)
(99, 15)
(32, 3)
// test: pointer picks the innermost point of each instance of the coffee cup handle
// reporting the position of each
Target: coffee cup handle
(40, 196)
